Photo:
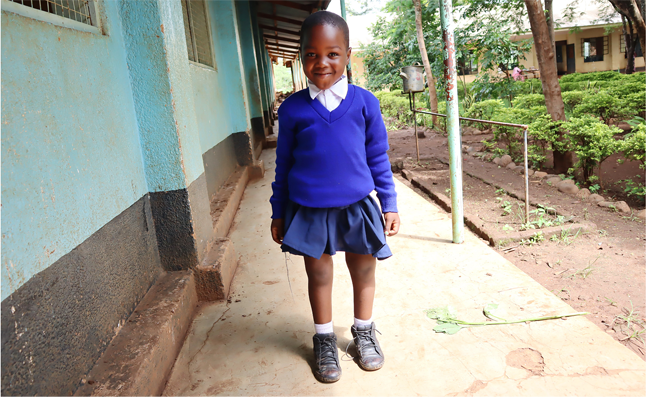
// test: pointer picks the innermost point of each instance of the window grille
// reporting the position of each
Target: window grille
(76, 10)
(594, 49)
(198, 35)
(623, 46)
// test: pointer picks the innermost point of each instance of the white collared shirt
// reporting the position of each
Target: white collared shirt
(332, 97)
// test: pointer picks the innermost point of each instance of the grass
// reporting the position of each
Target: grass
(630, 324)
(584, 273)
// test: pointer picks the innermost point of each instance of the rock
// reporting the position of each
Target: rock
(505, 160)
(530, 172)
(464, 148)
(475, 154)
(595, 198)
(583, 194)
(571, 181)
(568, 188)
(641, 214)
(497, 160)
(510, 166)
(553, 180)
(470, 150)
(540, 174)
(489, 156)
(619, 206)
(623, 207)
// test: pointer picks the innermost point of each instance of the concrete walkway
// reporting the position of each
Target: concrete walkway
(261, 342)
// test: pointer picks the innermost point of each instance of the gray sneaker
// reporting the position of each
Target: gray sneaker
(370, 356)
(327, 368)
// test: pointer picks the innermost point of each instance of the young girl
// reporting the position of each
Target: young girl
(331, 155)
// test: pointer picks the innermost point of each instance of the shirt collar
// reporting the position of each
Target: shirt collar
(340, 88)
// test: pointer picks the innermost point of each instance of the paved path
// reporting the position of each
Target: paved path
(261, 342)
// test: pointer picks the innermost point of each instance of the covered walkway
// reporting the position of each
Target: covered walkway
(259, 343)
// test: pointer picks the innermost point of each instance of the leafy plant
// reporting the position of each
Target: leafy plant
(448, 322)
(592, 142)
(603, 106)
(633, 145)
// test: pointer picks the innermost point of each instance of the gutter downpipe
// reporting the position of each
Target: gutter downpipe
(349, 72)
(453, 122)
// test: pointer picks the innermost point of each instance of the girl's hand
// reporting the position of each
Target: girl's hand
(391, 223)
(277, 230)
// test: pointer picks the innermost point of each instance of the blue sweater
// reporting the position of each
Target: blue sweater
(331, 159)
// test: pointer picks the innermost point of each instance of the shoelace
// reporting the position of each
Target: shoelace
(366, 334)
(327, 346)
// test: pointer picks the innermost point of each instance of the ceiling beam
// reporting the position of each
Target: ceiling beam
(281, 49)
(280, 30)
(282, 45)
(286, 56)
(298, 6)
(276, 37)
(278, 18)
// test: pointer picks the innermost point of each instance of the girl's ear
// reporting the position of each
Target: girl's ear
(348, 54)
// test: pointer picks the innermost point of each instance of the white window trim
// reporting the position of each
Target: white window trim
(54, 19)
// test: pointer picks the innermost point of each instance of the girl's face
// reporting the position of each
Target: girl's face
(325, 55)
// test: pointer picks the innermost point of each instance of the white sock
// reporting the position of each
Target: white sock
(359, 322)
(324, 328)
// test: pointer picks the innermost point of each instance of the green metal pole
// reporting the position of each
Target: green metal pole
(349, 71)
(453, 121)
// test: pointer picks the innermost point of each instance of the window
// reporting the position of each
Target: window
(594, 49)
(467, 64)
(198, 34)
(623, 46)
(76, 10)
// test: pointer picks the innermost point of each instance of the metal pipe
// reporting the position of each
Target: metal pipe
(453, 122)
(525, 166)
(415, 126)
(349, 71)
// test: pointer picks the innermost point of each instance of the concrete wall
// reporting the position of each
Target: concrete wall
(71, 160)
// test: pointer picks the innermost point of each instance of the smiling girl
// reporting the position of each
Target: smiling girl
(331, 154)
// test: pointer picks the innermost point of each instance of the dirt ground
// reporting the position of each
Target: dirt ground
(600, 271)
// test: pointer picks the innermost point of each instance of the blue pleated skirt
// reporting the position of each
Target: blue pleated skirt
(356, 228)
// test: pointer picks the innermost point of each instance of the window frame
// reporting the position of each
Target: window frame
(44, 16)
(193, 41)
(468, 58)
(605, 48)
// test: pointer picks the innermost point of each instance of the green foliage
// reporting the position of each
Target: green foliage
(572, 99)
(623, 90)
(528, 101)
(283, 79)
(634, 189)
(484, 110)
(633, 104)
(395, 105)
(594, 76)
(591, 141)
(603, 106)
(633, 145)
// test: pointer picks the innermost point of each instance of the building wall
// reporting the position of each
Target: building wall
(79, 248)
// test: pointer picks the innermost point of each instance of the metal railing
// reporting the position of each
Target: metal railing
(412, 106)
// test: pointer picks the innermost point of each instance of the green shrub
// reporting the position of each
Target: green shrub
(633, 145)
(632, 105)
(484, 110)
(528, 101)
(530, 86)
(623, 90)
(572, 99)
(512, 137)
(593, 76)
(592, 142)
(601, 105)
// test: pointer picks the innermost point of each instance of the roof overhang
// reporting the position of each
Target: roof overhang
(280, 23)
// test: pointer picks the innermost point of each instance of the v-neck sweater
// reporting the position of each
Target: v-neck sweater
(331, 159)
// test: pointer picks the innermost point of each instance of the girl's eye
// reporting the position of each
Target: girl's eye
(310, 54)
(333, 54)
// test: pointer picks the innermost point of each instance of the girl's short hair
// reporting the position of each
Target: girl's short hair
(324, 18)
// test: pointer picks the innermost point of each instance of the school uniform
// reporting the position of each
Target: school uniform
(331, 154)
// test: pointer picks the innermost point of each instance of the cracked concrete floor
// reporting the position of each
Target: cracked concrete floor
(261, 342)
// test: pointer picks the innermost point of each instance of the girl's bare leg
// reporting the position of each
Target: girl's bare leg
(362, 272)
(320, 276)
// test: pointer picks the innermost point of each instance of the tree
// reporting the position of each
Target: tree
(550, 22)
(431, 81)
(634, 11)
(562, 161)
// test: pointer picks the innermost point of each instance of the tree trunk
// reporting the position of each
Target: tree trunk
(549, 81)
(631, 9)
(431, 81)
(630, 44)
(550, 23)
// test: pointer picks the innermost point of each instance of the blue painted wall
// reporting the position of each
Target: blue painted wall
(250, 70)
(157, 59)
(71, 157)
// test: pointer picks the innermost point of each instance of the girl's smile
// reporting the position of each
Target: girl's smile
(325, 55)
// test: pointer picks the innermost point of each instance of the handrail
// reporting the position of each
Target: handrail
(525, 141)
